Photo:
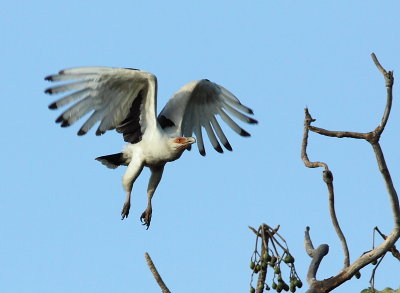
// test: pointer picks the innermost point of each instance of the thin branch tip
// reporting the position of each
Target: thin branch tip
(155, 273)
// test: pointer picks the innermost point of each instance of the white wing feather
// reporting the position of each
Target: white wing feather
(108, 93)
(196, 106)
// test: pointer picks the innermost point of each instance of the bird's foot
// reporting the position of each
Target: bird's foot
(145, 218)
(125, 210)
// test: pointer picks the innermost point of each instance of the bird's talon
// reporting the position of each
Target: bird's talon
(125, 210)
(145, 218)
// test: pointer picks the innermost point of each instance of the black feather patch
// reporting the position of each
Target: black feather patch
(244, 133)
(252, 121)
(60, 119)
(130, 126)
(81, 132)
(228, 146)
(53, 106)
(65, 123)
(99, 132)
(219, 149)
(165, 122)
(113, 161)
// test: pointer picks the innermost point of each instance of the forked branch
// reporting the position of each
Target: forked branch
(372, 137)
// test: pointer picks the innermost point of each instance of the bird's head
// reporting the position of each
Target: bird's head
(179, 144)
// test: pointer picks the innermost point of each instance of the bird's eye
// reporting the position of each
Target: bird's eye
(179, 140)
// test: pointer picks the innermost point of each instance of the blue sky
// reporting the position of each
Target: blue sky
(60, 209)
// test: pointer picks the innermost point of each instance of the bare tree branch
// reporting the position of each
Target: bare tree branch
(372, 137)
(307, 122)
(388, 75)
(328, 179)
(316, 254)
(308, 243)
(395, 252)
(155, 273)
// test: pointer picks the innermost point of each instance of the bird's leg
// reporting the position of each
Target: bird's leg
(127, 205)
(156, 174)
(131, 174)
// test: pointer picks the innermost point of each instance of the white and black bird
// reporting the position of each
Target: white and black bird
(126, 100)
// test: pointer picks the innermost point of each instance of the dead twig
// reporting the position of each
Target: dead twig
(328, 179)
(156, 275)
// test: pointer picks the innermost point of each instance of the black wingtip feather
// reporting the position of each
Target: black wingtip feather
(219, 149)
(253, 121)
(228, 146)
(49, 78)
(65, 123)
(53, 106)
(81, 132)
(99, 132)
(251, 111)
(244, 133)
(60, 119)
(48, 91)
(202, 152)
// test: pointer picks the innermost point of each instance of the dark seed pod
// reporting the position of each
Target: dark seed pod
(288, 258)
(285, 287)
(277, 270)
(299, 283)
(252, 265)
(358, 275)
(292, 287)
(279, 287)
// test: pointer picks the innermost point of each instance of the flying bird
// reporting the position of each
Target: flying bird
(125, 99)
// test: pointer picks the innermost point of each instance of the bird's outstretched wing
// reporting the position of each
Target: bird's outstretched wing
(196, 105)
(124, 99)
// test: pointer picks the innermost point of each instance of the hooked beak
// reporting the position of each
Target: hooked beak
(186, 145)
(190, 140)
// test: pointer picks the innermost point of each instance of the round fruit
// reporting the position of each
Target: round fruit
(277, 270)
(252, 265)
(299, 284)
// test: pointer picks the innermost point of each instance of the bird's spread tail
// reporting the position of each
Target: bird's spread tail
(113, 161)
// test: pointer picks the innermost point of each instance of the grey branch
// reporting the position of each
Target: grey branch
(317, 255)
(155, 273)
(395, 252)
(307, 122)
(328, 179)
(372, 137)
